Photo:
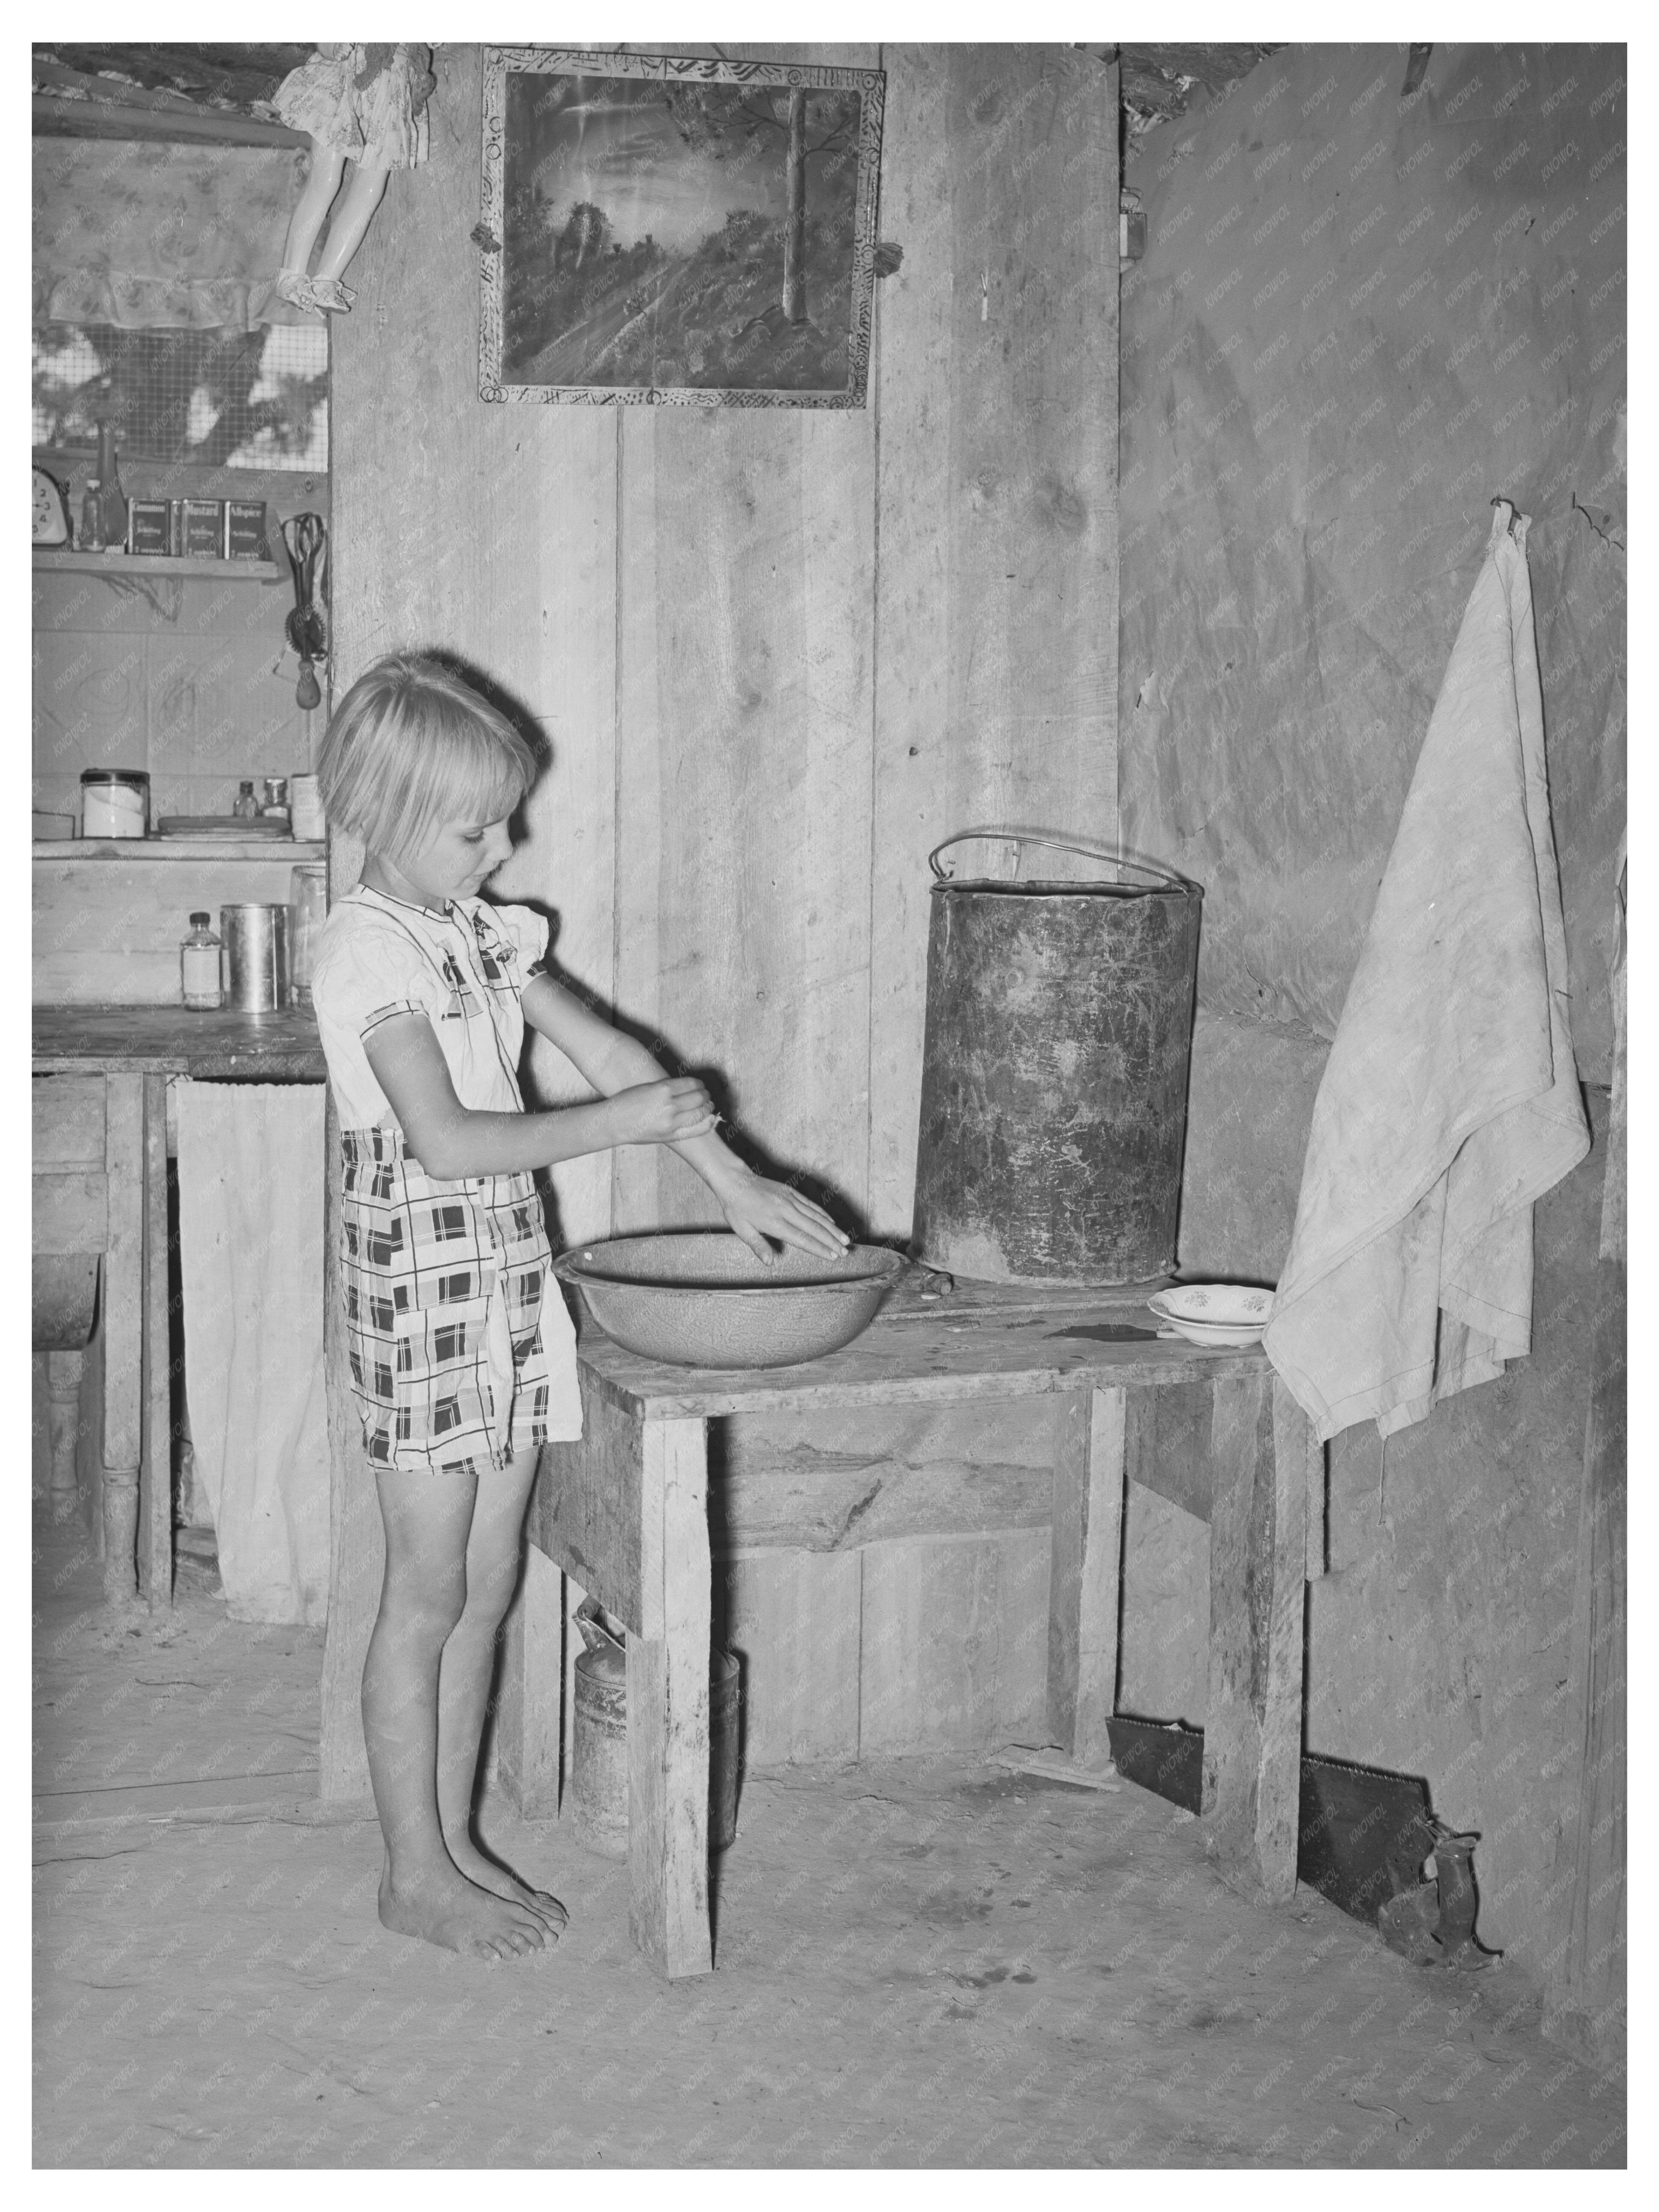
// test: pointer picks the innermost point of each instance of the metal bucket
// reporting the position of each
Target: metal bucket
(1054, 1079)
(599, 1751)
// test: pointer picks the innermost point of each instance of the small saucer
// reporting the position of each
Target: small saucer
(1219, 1314)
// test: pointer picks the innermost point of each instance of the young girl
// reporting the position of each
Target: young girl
(463, 1356)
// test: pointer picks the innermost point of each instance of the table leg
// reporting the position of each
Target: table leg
(1258, 1564)
(668, 1662)
(1084, 1573)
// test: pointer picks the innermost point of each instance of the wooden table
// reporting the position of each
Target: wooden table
(625, 1511)
(100, 1187)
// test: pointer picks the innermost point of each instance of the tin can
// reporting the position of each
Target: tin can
(256, 961)
(1053, 1074)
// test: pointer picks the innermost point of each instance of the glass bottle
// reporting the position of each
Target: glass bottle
(307, 910)
(275, 803)
(246, 806)
(103, 504)
(198, 960)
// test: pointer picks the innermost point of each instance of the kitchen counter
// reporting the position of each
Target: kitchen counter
(172, 1041)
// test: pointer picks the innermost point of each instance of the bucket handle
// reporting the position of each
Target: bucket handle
(1166, 879)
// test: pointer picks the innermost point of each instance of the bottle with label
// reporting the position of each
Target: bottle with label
(198, 958)
(103, 504)
(246, 806)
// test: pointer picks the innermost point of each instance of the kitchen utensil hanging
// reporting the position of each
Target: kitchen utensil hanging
(305, 539)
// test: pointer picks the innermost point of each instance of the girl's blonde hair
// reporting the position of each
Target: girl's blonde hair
(410, 747)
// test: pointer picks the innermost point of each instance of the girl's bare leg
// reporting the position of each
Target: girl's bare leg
(423, 1891)
(495, 1553)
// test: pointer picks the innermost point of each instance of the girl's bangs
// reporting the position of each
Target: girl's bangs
(473, 778)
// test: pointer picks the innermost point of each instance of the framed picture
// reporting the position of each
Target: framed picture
(660, 229)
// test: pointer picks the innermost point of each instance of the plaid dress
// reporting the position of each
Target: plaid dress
(461, 1349)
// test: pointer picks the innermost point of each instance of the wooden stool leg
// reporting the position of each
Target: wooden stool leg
(1086, 1564)
(1258, 1566)
(668, 1662)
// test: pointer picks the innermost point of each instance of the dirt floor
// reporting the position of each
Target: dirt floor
(919, 1963)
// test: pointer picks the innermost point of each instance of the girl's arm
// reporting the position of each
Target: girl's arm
(614, 1063)
(451, 1140)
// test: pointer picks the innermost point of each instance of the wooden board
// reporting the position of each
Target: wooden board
(169, 1039)
(67, 1122)
(122, 1331)
(915, 1362)
(996, 608)
(832, 1482)
(757, 552)
(1085, 1557)
(1169, 1445)
(1258, 1559)
(585, 1510)
(794, 1620)
(668, 1707)
(69, 1214)
(526, 1734)
(953, 1642)
(745, 574)
(356, 1537)
(156, 1460)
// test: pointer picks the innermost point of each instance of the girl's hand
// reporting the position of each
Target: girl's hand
(759, 1209)
(664, 1112)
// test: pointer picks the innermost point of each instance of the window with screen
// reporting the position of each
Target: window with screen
(227, 398)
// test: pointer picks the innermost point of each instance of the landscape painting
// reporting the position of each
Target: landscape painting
(673, 229)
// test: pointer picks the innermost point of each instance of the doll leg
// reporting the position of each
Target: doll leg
(363, 195)
(327, 166)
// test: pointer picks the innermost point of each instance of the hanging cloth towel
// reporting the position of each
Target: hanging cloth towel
(251, 1252)
(1450, 1101)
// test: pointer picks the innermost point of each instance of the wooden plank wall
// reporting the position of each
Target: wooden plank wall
(777, 656)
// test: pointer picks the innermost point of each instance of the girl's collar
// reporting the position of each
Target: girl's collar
(445, 913)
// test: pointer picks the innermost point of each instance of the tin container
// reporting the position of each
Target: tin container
(255, 958)
(1053, 1077)
(114, 802)
(599, 1758)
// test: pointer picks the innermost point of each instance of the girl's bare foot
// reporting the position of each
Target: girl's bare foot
(500, 1882)
(448, 1910)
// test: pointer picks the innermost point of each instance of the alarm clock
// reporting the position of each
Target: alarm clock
(49, 513)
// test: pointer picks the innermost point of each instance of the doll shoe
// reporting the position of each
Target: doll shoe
(295, 286)
(329, 293)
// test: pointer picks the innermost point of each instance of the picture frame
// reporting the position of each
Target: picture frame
(676, 230)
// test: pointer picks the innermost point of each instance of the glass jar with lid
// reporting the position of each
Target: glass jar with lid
(114, 802)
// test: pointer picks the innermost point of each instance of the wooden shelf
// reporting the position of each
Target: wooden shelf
(274, 849)
(67, 560)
